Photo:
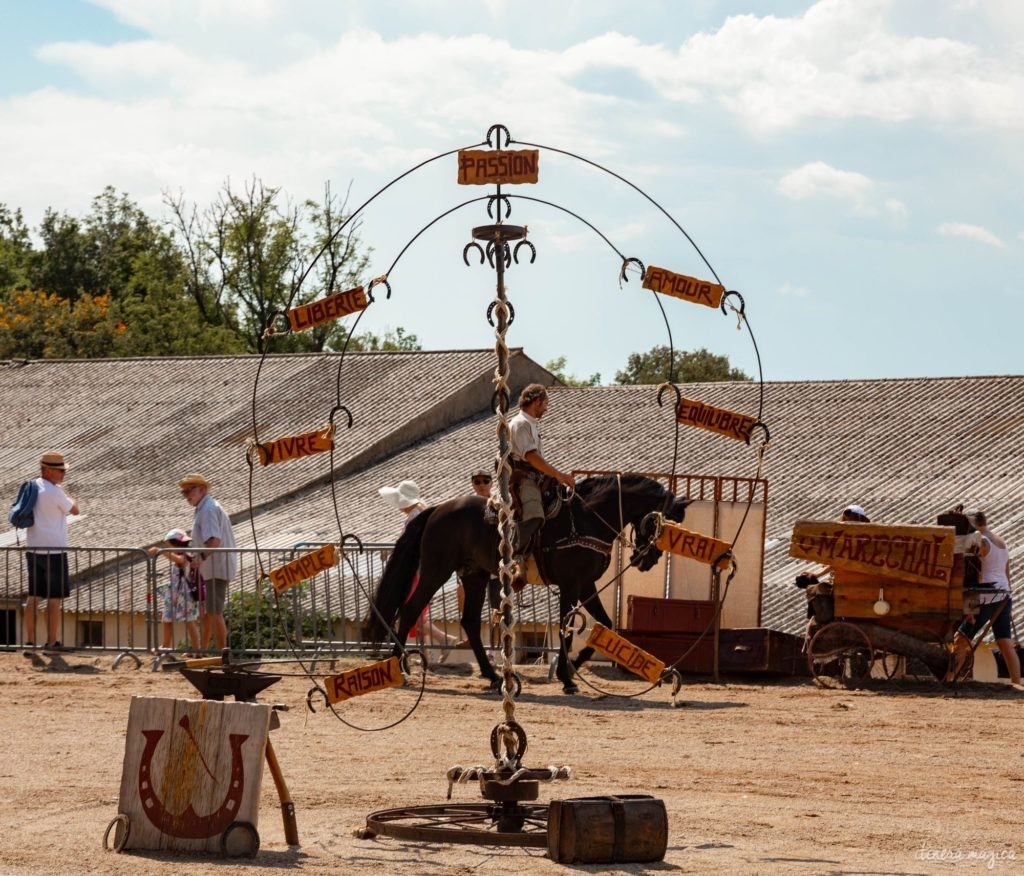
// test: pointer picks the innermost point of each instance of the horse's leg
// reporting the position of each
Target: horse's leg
(591, 602)
(475, 585)
(567, 595)
(426, 586)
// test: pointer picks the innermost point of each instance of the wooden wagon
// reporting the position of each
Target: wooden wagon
(896, 593)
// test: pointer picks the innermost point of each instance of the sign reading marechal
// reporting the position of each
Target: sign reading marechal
(364, 680)
(479, 167)
(303, 567)
(911, 553)
(692, 545)
(719, 420)
(332, 307)
(295, 446)
(680, 286)
(625, 653)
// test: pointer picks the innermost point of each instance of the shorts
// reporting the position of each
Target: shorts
(216, 595)
(529, 499)
(48, 575)
(1001, 627)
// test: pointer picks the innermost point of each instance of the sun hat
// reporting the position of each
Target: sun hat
(194, 480)
(481, 473)
(855, 509)
(405, 495)
(53, 459)
(177, 535)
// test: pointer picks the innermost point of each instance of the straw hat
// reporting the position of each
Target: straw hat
(194, 480)
(53, 459)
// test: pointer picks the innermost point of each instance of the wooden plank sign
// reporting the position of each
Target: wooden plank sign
(332, 307)
(191, 768)
(364, 680)
(303, 567)
(479, 167)
(712, 419)
(680, 286)
(296, 446)
(692, 545)
(625, 653)
(909, 553)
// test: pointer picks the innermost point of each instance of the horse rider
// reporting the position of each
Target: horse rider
(529, 467)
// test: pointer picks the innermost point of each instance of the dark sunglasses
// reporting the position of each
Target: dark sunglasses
(481, 481)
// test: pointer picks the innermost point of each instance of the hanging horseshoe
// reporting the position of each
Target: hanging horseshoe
(623, 278)
(679, 394)
(335, 410)
(378, 281)
(466, 249)
(499, 128)
(742, 311)
(501, 199)
(533, 251)
(511, 313)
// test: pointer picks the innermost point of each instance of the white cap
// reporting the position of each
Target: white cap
(177, 535)
(405, 495)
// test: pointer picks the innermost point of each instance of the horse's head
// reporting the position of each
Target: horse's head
(957, 519)
(646, 555)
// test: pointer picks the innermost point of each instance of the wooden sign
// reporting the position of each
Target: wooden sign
(625, 653)
(364, 680)
(191, 768)
(712, 419)
(910, 553)
(296, 446)
(692, 545)
(332, 307)
(304, 567)
(479, 167)
(680, 286)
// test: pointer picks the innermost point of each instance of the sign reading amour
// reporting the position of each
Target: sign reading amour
(479, 167)
(332, 307)
(693, 545)
(304, 567)
(680, 286)
(295, 446)
(720, 420)
(910, 553)
(364, 680)
(625, 653)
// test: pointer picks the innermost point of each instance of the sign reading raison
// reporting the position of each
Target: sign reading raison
(363, 680)
(680, 286)
(479, 167)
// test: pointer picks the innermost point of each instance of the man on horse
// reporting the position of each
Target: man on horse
(529, 468)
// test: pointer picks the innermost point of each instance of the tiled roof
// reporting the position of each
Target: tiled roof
(131, 427)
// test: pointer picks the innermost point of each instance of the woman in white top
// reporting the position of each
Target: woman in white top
(995, 573)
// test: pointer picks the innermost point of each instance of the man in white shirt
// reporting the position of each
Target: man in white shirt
(46, 540)
(528, 465)
(211, 528)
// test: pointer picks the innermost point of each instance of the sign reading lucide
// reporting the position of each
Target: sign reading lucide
(480, 167)
(680, 286)
(625, 653)
(911, 553)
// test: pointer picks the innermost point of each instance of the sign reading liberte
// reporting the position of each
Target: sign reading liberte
(332, 307)
(364, 680)
(479, 167)
(692, 545)
(680, 286)
(303, 567)
(719, 420)
(910, 553)
(295, 446)
(625, 653)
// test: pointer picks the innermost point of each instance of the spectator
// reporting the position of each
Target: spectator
(46, 542)
(211, 528)
(175, 598)
(481, 480)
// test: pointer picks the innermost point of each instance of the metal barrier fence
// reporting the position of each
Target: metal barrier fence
(119, 602)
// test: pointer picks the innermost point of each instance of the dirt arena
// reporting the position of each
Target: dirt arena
(779, 777)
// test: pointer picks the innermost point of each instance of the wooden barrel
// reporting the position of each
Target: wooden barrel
(617, 829)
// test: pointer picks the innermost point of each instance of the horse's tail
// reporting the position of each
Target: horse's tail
(395, 583)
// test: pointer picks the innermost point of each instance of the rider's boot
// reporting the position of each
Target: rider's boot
(526, 530)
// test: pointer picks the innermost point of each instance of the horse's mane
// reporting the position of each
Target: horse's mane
(595, 486)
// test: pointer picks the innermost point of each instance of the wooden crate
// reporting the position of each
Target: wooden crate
(856, 593)
(669, 615)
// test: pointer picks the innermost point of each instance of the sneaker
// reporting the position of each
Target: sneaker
(55, 646)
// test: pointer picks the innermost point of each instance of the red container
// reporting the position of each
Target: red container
(649, 614)
(697, 652)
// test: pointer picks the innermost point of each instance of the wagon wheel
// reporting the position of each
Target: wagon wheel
(840, 654)
(887, 665)
(914, 669)
(482, 824)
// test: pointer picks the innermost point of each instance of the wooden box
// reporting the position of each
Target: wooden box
(654, 615)
(621, 829)
(761, 650)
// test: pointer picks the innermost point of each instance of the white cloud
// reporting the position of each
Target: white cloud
(790, 290)
(971, 232)
(819, 179)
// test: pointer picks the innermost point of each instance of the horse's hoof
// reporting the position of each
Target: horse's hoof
(570, 689)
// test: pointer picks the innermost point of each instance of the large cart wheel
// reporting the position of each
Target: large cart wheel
(121, 827)
(840, 655)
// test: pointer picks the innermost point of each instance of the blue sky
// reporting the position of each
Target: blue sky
(852, 167)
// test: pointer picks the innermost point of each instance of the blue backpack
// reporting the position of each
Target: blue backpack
(22, 514)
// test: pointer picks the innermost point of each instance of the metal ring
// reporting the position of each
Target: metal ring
(517, 730)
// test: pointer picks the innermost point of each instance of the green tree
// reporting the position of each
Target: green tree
(15, 250)
(256, 624)
(558, 368)
(691, 366)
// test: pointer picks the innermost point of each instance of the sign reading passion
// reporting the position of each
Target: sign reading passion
(479, 167)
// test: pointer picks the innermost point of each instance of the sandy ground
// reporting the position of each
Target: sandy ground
(773, 777)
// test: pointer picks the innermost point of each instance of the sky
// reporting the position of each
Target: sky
(852, 167)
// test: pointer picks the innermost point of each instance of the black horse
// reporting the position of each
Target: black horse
(575, 549)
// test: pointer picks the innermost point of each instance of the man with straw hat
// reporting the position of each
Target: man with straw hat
(47, 541)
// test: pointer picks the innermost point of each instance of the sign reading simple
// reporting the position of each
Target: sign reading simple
(303, 567)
